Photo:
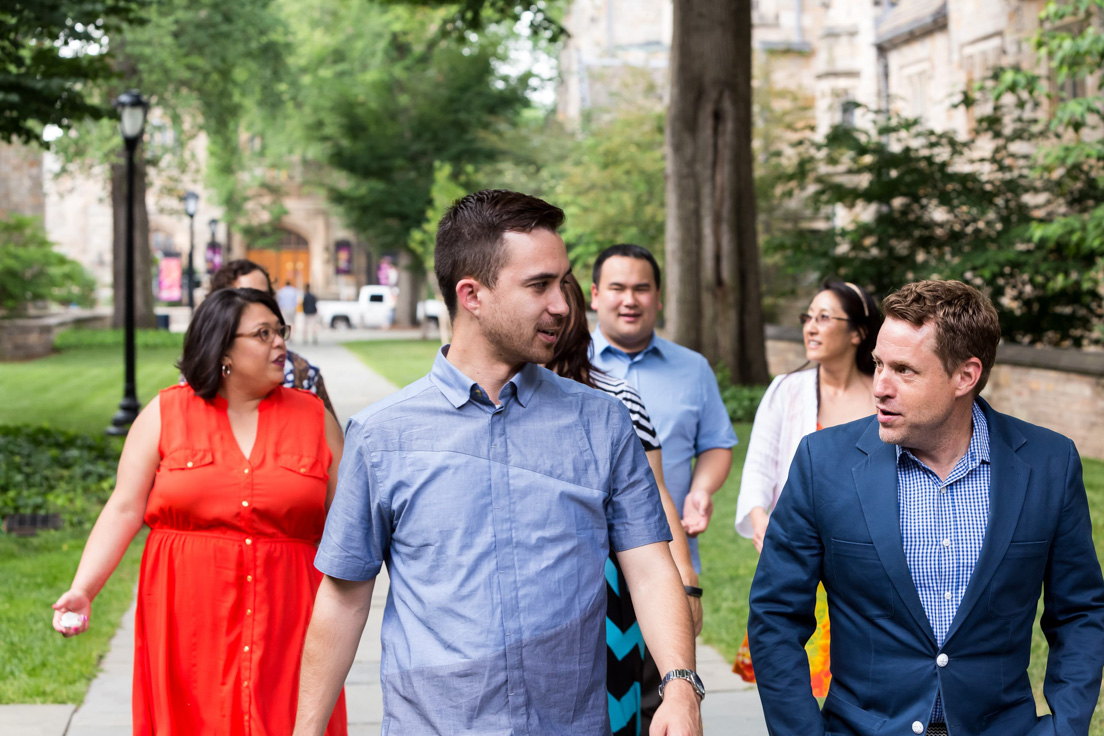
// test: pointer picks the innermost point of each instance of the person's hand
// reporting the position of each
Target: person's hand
(696, 512)
(759, 520)
(77, 602)
(696, 613)
(680, 712)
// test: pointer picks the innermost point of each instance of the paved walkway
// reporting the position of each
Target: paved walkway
(732, 706)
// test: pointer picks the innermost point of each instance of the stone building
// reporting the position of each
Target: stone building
(913, 56)
(309, 235)
(21, 180)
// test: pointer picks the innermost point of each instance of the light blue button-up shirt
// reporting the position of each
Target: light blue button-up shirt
(681, 394)
(495, 523)
(943, 525)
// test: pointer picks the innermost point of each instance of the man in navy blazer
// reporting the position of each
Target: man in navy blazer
(933, 526)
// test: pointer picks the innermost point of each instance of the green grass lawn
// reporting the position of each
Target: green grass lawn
(38, 665)
(78, 388)
(399, 361)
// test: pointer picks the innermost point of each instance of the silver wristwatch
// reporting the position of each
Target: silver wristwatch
(689, 675)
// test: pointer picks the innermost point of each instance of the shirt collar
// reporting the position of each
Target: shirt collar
(978, 450)
(459, 389)
(601, 344)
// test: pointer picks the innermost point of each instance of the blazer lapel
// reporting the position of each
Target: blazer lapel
(1008, 476)
(876, 484)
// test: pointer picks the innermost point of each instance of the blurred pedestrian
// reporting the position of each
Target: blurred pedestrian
(310, 315)
(233, 474)
(288, 299)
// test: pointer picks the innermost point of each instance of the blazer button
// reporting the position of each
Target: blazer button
(917, 727)
(942, 660)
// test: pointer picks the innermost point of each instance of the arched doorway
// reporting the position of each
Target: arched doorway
(287, 260)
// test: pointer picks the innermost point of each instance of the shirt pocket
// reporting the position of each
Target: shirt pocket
(306, 465)
(864, 583)
(190, 458)
(1018, 580)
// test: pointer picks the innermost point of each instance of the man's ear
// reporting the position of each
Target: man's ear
(469, 296)
(593, 296)
(968, 375)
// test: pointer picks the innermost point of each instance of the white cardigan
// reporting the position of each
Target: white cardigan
(787, 413)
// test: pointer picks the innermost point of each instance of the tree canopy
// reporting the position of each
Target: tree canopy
(52, 54)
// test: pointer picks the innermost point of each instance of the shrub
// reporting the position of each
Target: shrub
(47, 471)
(740, 401)
(32, 271)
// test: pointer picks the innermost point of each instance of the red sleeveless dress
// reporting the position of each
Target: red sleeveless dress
(228, 580)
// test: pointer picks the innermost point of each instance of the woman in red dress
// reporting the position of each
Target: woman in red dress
(233, 473)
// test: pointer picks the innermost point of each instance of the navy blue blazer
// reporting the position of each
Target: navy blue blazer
(837, 521)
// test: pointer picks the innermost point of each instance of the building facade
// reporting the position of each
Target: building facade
(843, 56)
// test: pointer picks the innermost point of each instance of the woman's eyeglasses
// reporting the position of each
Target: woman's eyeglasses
(823, 319)
(267, 334)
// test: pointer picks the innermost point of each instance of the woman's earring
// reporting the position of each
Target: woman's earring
(225, 371)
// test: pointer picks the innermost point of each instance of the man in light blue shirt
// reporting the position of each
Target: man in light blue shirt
(676, 383)
(493, 490)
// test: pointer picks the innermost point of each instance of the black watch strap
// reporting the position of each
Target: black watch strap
(692, 591)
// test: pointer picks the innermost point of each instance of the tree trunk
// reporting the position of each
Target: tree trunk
(411, 286)
(143, 283)
(713, 300)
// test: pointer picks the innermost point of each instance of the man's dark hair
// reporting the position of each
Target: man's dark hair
(212, 332)
(230, 272)
(470, 236)
(628, 250)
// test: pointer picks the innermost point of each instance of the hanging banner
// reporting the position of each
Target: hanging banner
(169, 277)
(343, 257)
(214, 257)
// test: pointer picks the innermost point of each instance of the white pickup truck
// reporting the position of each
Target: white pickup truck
(374, 307)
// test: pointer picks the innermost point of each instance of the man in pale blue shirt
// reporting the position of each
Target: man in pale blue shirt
(676, 383)
(493, 490)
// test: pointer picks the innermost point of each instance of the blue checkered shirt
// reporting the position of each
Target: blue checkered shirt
(943, 526)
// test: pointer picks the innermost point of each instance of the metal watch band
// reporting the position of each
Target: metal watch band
(689, 675)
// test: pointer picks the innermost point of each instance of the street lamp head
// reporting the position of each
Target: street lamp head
(213, 224)
(132, 114)
(191, 203)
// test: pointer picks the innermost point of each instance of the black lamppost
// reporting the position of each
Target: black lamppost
(132, 119)
(191, 203)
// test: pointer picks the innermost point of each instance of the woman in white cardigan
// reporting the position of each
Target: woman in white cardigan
(840, 329)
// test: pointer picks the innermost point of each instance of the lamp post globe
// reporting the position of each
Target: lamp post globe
(191, 204)
(132, 109)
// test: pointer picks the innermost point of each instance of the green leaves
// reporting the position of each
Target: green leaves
(51, 52)
(1016, 209)
(46, 470)
(32, 271)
